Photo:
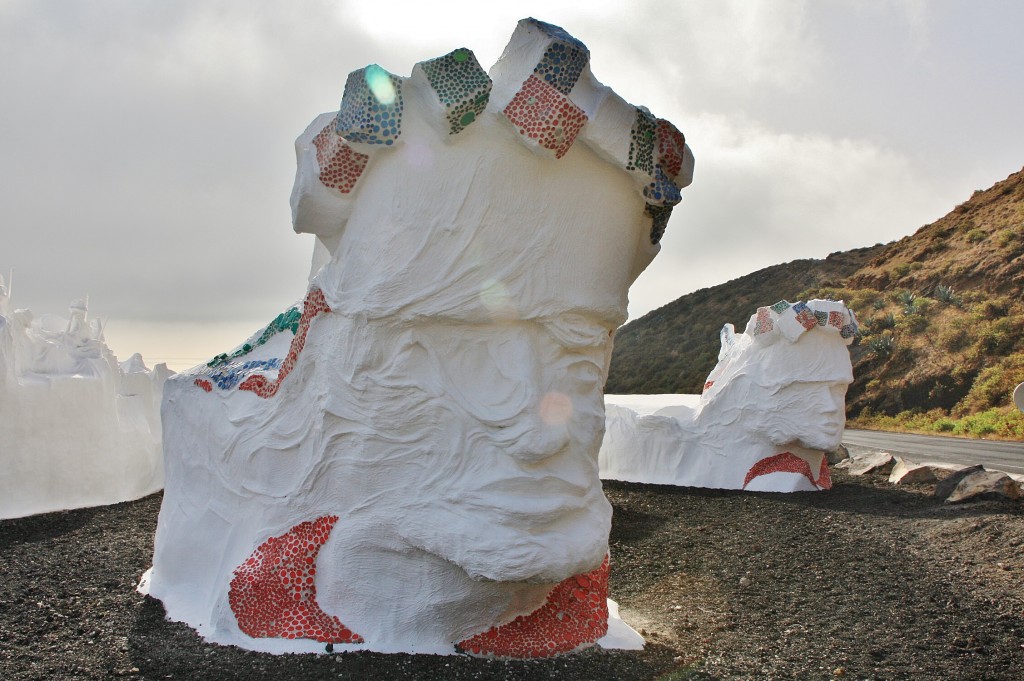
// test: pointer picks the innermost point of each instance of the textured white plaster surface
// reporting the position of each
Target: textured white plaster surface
(447, 409)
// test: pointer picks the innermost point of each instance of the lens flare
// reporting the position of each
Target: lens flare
(556, 408)
(494, 296)
(379, 82)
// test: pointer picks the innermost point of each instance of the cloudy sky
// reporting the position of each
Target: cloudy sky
(146, 150)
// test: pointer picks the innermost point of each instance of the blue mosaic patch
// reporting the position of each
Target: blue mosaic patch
(234, 373)
(562, 64)
(371, 108)
(661, 190)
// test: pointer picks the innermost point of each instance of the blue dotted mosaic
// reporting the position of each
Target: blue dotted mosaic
(233, 373)
(371, 108)
(662, 191)
(563, 60)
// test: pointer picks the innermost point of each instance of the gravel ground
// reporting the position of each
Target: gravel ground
(866, 581)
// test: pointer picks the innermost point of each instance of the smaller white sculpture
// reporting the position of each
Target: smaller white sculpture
(76, 428)
(770, 409)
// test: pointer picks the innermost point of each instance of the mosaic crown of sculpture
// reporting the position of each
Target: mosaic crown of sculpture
(407, 459)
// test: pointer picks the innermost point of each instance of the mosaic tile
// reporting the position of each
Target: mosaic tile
(824, 477)
(764, 322)
(286, 321)
(545, 116)
(641, 142)
(659, 220)
(821, 317)
(314, 305)
(574, 615)
(780, 307)
(340, 165)
(371, 107)
(805, 316)
(661, 191)
(671, 147)
(462, 86)
(563, 60)
(785, 462)
(273, 593)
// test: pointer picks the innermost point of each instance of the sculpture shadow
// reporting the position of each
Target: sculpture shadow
(162, 649)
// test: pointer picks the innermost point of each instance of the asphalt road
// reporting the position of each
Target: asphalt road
(995, 455)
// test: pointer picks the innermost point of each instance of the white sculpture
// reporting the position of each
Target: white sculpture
(407, 460)
(76, 428)
(770, 408)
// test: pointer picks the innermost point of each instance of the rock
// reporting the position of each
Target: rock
(840, 453)
(946, 487)
(910, 473)
(985, 484)
(878, 462)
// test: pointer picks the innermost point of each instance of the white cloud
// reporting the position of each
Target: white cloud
(761, 198)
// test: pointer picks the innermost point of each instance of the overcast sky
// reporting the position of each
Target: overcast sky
(146, 153)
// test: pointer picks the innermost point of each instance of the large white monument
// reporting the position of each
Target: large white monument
(407, 459)
(76, 427)
(775, 402)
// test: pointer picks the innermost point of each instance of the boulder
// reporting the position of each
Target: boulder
(840, 453)
(910, 473)
(880, 463)
(946, 486)
(985, 484)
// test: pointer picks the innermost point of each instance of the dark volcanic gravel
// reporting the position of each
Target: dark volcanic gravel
(866, 581)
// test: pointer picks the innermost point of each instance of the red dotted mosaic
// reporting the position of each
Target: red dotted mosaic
(824, 477)
(787, 462)
(340, 165)
(273, 593)
(670, 147)
(204, 384)
(545, 115)
(575, 615)
(314, 304)
(806, 318)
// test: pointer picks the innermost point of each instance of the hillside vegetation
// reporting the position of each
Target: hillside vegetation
(942, 322)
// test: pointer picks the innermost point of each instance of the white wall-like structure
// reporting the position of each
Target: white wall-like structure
(407, 459)
(772, 406)
(76, 428)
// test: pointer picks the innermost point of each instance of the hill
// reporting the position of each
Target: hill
(941, 311)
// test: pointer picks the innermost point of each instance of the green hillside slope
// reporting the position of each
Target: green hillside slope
(942, 339)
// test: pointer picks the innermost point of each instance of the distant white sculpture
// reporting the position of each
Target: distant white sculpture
(407, 460)
(772, 406)
(76, 428)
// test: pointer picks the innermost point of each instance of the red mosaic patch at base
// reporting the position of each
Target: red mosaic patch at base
(787, 462)
(340, 165)
(204, 384)
(545, 115)
(273, 593)
(824, 477)
(314, 304)
(575, 615)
